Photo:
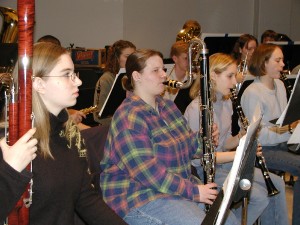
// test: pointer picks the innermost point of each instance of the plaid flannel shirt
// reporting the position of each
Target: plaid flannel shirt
(148, 156)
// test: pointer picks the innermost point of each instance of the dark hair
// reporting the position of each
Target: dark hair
(113, 55)
(268, 33)
(137, 62)
(240, 43)
(261, 55)
(49, 38)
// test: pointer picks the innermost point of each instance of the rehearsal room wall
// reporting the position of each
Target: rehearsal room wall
(155, 23)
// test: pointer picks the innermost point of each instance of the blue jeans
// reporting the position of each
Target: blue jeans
(171, 212)
(271, 210)
(278, 158)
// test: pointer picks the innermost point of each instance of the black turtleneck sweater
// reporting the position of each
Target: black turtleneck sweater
(61, 186)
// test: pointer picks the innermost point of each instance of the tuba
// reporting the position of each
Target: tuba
(8, 38)
(9, 30)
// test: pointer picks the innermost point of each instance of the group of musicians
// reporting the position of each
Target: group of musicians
(154, 138)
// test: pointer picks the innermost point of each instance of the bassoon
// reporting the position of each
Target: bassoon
(20, 107)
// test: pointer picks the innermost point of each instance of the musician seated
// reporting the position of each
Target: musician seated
(222, 70)
(146, 166)
(268, 94)
(179, 72)
(53, 149)
(116, 59)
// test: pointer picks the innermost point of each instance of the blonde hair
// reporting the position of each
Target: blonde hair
(45, 58)
(218, 63)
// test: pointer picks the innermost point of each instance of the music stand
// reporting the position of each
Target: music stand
(115, 97)
(291, 52)
(220, 42)
(291, 111)
(239, 180)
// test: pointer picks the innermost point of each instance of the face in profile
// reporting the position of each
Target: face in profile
(275, 64)
(248, 50)
(225, 80)
(59, 88)
(150, 80)
(181, 61)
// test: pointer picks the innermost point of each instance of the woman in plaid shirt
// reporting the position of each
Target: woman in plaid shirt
(146, 176)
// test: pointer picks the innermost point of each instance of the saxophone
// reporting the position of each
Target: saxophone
(260, 160)
(89, 110)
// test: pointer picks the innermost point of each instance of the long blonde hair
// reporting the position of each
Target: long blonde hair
(45, 57)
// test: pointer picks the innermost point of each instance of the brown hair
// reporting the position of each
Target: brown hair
(178, 48)
(137, 62)
(261, 55)
(49, 38)
(241, 42)
(113, 55)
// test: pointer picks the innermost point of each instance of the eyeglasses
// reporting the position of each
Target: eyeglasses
(72, 75)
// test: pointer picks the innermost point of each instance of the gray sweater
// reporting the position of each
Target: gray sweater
(259, 100)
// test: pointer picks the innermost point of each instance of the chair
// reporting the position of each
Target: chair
(94, 138)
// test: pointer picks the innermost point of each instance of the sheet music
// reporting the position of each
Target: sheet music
(122, 70)
(294, 96)
(230, 184)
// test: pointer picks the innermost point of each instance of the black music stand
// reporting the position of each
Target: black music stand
(291, 112)
(115, 97)
(9, 54)
(238, 183)
(291, 52)
(220, 42)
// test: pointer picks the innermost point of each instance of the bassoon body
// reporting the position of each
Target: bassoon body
(20, 108)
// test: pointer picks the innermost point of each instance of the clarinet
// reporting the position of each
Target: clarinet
(209, 158)
(260, 160)
(287, 84)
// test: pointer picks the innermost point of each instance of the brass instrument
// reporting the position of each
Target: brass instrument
(188, 34)
(260, 160)
(242, 69)
(89, 110)
(9, 32)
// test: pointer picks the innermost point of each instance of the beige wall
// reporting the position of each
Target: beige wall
(155, 23)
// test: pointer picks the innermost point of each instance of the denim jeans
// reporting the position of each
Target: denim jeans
(270, 210)
(278, 158)
(171, 212)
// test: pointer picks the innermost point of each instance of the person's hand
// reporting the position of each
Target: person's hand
(208, 193)
(259, 150)
(76, 115)
(215, 134)
(22, 152)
